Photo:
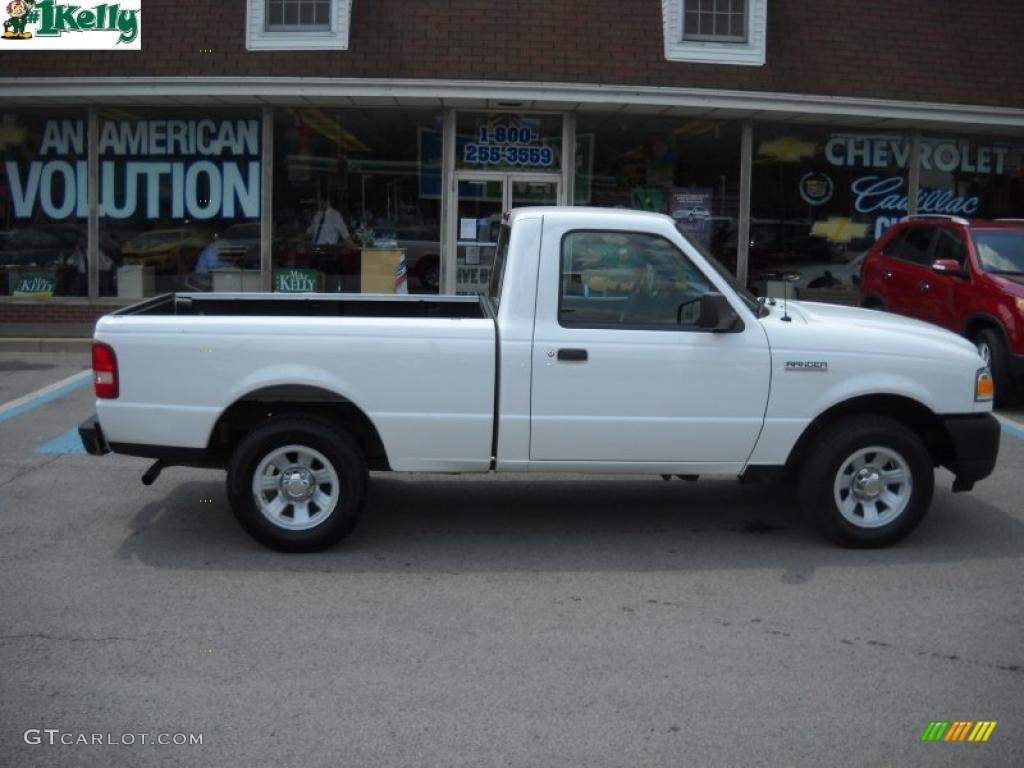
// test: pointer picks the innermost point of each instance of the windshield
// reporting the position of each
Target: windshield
(748, 298)
(1000, 251)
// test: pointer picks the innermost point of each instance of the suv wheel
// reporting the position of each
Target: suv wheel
(993, 352)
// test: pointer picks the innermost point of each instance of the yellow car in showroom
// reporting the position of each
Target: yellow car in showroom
(166, 250)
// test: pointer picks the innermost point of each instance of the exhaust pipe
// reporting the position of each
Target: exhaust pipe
(151, 474)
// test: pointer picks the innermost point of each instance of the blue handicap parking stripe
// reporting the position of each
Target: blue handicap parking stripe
(69, 442)
(76, 382)
(1012, 429)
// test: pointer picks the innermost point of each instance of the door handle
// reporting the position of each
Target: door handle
(887, 275)
(578, 355)
(923, 287)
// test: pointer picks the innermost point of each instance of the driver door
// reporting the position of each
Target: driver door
(621, 372)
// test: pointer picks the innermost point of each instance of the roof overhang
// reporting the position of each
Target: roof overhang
(874, 114)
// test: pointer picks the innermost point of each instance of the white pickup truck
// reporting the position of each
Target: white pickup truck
(607, 342)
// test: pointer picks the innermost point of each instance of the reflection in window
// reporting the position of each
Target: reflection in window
(357, 195)
(627, 280)
(1000, 252)
(177, 191)
(43, 210)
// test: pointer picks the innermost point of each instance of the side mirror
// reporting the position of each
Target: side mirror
(950, 267)
(717, 315)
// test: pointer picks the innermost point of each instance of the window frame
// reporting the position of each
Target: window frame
(261, 36)
(594, 325)
(748, 52)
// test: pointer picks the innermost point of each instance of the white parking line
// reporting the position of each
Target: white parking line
(50, 392)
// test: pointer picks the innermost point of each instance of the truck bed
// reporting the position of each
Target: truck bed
(309, 305)
(422, 369)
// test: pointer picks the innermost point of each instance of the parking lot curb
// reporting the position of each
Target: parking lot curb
(12, 344)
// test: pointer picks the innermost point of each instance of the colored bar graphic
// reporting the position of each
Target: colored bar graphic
(935, 731)
(983, 730)
(959, 730)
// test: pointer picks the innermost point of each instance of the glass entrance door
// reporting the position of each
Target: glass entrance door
(481, 201)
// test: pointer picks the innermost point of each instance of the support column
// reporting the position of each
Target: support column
(449, 234)
(569, 158)
(266, 199)
(92, 230)
(914, 175)
(743, 234)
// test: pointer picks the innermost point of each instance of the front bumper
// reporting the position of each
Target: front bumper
(975, 446)
(92, 437)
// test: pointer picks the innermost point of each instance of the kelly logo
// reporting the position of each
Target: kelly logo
(52, 25)
(958, 730)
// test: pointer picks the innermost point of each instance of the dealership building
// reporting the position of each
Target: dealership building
(784, 136)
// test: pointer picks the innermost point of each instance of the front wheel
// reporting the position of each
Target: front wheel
(297, 485)
(867, 481)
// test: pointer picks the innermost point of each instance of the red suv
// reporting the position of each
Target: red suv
(967, 276)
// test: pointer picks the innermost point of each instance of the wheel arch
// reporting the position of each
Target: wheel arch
(979, 321)
(916, 416)
(252, 409)
(872, 301)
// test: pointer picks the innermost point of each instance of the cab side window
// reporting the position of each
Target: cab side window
(949, 245)
(628, 280)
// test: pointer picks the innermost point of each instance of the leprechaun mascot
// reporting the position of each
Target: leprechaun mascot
(14, 27)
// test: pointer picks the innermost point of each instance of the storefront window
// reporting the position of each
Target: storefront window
(357, 200)
(820, 197)
(179, 201)
(43, 204)
(686, 168)
(972, 176)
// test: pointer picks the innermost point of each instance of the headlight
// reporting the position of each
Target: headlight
(1020, 305)
(984, 387)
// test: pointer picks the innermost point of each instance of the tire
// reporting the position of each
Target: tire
(866, 513)
(305, 515)
(993, 351)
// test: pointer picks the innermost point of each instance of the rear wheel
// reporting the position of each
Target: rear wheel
(867, 481)
(993, 351)
(297, 485)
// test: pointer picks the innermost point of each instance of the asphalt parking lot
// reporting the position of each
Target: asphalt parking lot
(489, 621)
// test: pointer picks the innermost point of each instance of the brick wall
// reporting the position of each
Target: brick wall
(969, 53)
(28, 311)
